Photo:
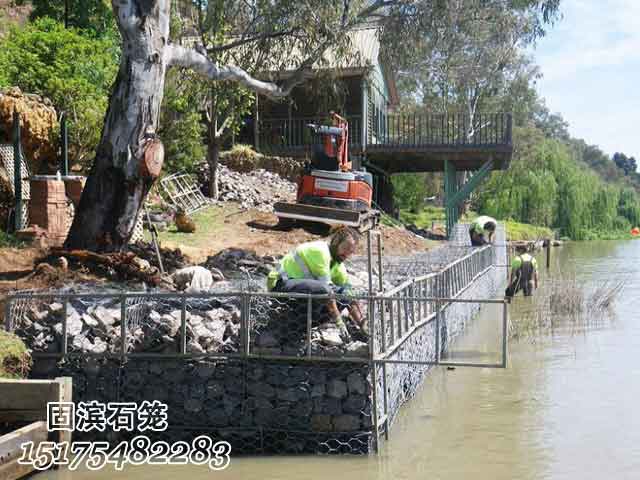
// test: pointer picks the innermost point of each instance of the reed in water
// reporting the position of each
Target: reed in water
(563, 305)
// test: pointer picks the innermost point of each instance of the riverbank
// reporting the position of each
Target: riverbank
(516, 231)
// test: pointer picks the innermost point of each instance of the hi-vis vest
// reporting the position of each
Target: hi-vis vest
(526, 265)
(478, 224)
(517, 262)
(311, 260)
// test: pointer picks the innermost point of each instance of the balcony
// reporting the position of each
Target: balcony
(414, 142)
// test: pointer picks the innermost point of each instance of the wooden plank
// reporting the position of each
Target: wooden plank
(26, 400)
(13, 470)
(10, 444)
(14, 416)
(27, 394)
(65, 394)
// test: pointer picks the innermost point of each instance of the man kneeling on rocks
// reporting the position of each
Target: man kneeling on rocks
(318, 268)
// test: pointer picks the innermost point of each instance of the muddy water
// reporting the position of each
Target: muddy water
(566, 408)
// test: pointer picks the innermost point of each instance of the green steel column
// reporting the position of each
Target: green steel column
(17, 171)
(450, 189)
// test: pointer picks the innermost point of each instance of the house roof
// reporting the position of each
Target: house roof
(365, 44)
(365, 54)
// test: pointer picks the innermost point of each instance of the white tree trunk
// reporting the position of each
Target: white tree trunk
(120, 177)
(118, 182)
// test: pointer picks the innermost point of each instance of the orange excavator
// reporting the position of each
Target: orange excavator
(330, 191)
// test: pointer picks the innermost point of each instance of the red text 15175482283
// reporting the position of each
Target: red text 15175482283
(123, 416)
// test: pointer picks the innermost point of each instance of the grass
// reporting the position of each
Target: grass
(15, 360)
(425, 217)
(515, 230)
(208, 221)
(8, 240)
(524, 231)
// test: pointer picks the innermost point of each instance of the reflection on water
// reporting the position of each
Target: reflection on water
(564, 409)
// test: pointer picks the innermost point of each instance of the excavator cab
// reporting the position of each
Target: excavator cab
(330, 191)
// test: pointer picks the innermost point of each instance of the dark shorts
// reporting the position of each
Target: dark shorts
(477, 240)
(294, 312)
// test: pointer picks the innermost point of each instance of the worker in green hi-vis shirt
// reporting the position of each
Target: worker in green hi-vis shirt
(524, 273)
(318, 268)
(482, 230)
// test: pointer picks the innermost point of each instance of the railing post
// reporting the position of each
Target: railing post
(17, 171)
(391, 325)
(8, 323)
(505, 326)
(183, 325)
(65, 341)
(123, 327)
(247, 321)
(309, 319)
(374, 373)
(437, 359)
(380, 279)
(369, 261)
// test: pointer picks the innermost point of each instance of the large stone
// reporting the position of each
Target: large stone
(218, 418)
(354, 404)
(261, 389)
(357, 349)
(331, 336)
(205, 370)
(346, 423)
(216, 328)
(107, 317)
(301, 410)
(356, 383)
(321, 423)
(266, 339)
(318, 375)
(328, 405)
(74, 321)
(55, 308)
(195, 347)
(169, 325)
(318, 390)
(99, 346)
(193, 406)
(337, 389)
(214, 389)
(89, 321)
(193, 279)
(292, 394)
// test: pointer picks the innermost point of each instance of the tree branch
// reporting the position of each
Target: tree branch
(243, 41)
(189, 58)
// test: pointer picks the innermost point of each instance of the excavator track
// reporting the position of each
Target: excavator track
(363, 221)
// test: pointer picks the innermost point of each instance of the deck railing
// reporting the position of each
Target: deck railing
(439, 130)
(395, 131)
(293, 133)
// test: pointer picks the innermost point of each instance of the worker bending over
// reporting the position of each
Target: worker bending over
(482, 230)
(524, 273)
(318, 268)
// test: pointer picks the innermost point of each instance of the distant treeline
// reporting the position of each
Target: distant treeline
(549, 184)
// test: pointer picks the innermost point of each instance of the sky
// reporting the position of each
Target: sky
(590, 60)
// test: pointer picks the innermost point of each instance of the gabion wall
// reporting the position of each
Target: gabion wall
(258, 406)
(277, 406)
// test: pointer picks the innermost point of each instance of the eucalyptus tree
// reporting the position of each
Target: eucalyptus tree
(129, 156)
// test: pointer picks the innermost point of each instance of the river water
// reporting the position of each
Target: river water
(565, 408)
